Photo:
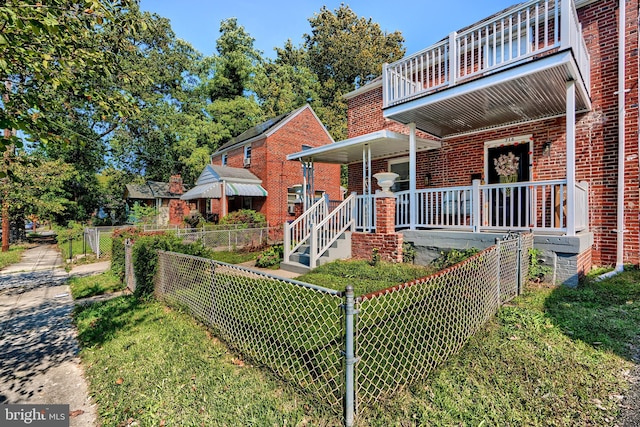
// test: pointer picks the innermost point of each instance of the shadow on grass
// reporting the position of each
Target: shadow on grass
(100, 322)
(605, 314)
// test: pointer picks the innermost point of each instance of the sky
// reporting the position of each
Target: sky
(272, 23)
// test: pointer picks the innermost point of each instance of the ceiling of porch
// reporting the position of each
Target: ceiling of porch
(530, 91)
(382, 144)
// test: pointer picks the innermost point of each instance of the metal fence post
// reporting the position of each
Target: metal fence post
(499, 270)
(350, 360)
(519, 264)
(97, 243)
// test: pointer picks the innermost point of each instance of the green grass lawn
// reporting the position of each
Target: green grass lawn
(156, 366)
(554, 356)
(235, 257)
(88, 286)
(13, 256)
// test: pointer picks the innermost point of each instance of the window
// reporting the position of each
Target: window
(401, 167)
(247, 153)
(224, 159)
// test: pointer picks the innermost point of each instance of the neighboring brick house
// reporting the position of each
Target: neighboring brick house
(259, 154)
(163, 196)
(546, 81)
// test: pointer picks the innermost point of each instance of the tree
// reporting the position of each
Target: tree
(343, 51)
(37, 187)
(54, 51)
(286, 83)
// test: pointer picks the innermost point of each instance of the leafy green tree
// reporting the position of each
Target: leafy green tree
(37, 187)
(50, 55)
(341, 52)
(286, 83)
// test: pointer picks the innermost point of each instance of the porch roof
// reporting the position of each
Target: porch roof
(529, 91)
(383, 143)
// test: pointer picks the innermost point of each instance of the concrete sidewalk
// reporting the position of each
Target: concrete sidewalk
(37, 338)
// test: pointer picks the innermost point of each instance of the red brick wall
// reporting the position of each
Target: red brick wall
(584, 263)
(303, 129)
(385, 240)
(596, 137)
(268, 162)
(175, 184)
(178, 209)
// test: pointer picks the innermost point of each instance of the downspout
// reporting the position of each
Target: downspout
(622, 18)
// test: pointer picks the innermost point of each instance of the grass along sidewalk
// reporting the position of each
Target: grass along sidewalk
(13, 256)
(554, 356)
(88, 286)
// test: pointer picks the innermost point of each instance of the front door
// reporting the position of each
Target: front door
(509, 161)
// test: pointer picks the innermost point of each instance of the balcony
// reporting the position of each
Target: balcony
(511, 68)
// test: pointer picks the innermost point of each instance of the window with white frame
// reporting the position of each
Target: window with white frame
(247, 155)
(225, 158)
(401, 167)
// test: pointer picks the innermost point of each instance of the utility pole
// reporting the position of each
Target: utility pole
(5, 196)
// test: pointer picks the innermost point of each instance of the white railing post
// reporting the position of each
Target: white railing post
(313, 246)
(571, 155)
(287, 241)
(565, 23)
(385, 85)
(453, 58)
(475, 205)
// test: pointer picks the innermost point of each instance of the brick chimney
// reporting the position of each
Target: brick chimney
(175, 184)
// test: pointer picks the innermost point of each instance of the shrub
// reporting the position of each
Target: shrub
(408, 253)
(270, 257)
(74, 231)
(145, 257)
(537, 270)
(246, 217)
(117, 247)
(452, 257)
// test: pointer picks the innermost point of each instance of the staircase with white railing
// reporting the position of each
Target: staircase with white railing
(318, 234)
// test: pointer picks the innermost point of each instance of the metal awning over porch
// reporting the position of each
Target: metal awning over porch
(212, 191)
(247, 190)
(382, 144)
(236, 182)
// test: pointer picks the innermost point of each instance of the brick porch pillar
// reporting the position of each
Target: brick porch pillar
(387, 242)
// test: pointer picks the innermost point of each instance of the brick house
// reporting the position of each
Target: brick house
(547, 89)
(163, 196)
(273, 185)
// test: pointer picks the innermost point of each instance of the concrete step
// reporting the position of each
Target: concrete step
(294, 267)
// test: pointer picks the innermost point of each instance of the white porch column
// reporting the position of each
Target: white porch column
(413, 205)
(571, 157)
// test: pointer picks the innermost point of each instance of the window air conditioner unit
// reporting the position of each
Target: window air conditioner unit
(247, 163)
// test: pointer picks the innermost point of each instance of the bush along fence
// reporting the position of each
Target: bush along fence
(346, 351)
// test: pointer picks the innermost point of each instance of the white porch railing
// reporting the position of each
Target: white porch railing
(298, 232)
(528, 30)
(365, 215)
(538, 206)
(327, 231)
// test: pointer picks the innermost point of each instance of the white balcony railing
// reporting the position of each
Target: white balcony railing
(538, 206)
(522, 32)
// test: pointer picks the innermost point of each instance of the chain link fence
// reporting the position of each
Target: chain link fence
(99, 240)
(230, 239)
(346, 352)
(404, 332)
(294, 328)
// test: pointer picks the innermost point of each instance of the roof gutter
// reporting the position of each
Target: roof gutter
(620, 230)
